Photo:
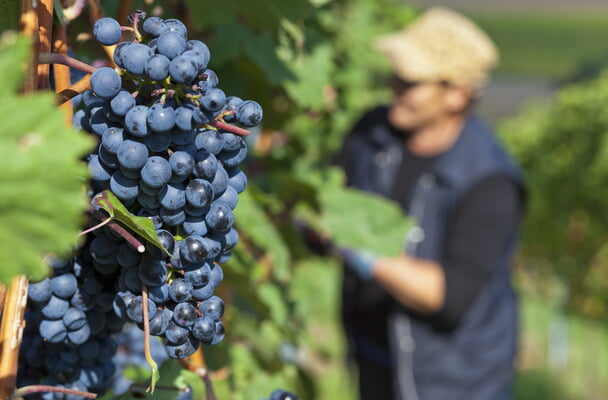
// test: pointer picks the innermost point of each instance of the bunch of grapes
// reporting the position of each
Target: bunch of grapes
(170, 145)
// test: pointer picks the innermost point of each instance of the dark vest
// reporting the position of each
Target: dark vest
(473, 361)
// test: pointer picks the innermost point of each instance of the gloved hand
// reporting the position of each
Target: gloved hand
(362, 263)
(315, 241)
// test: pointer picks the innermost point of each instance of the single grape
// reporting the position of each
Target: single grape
(220, 181)
(193, 250)
(132, 155)
(203, 328)
(122, 103)
(183, 69)
(39, 292)
(157, 67)
(209, 140)
(154, 26)
(230, 197)
(219, 333)
(161, 117)
(231, 141)
(107, 31)
(53, 330)
(153, 272)
(249, 113)
(182, 165)
(180, 290)
(237, 179)
(213, 100)
(220, 217)
(159, 323)
(198, 274)
(64, 285)
(213, 307)
(133, 57)
(156, 172)
(122, 187)
(55, 308)
(175, 25)
(166, 239)
(206, 165)
(209, 81)
(199, 192)
(183, 117)
(172, 197)
(232, 159)
(105, 82)
(170, 44)
(217, 275)
(175, 333)
(74, 319)
(111, 139)
(135, 309)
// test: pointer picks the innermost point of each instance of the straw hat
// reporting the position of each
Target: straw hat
(441, 45)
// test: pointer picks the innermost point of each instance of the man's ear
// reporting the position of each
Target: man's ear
(458, 98)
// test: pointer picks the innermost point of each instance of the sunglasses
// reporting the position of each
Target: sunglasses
(399, 85)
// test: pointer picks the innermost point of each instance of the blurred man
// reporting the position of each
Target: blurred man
(439, 322)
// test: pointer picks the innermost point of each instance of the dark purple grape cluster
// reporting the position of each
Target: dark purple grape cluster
(169, 148)
(67, 340)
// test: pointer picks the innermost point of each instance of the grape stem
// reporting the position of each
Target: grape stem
(132, 240)
(196, 363)
(27, 390)
(230, 128)
(95, 227)
(54, 58)
(148, 354)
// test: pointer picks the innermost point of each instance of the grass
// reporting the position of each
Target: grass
(548, 45)
(583, 372)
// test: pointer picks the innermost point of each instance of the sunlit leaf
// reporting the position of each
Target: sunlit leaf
(42, 199)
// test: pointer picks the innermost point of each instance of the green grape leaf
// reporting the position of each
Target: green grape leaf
(270, 295)
(313, 75)
(262, 49)
(14, 56)
(360, 220)
(43, 200)
(263, 232)
(142, 226)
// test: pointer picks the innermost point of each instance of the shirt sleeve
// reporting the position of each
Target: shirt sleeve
(476, 238)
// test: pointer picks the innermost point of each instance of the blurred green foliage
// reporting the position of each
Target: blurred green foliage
(562, 147)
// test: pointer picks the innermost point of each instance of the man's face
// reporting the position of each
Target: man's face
(417, 105)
